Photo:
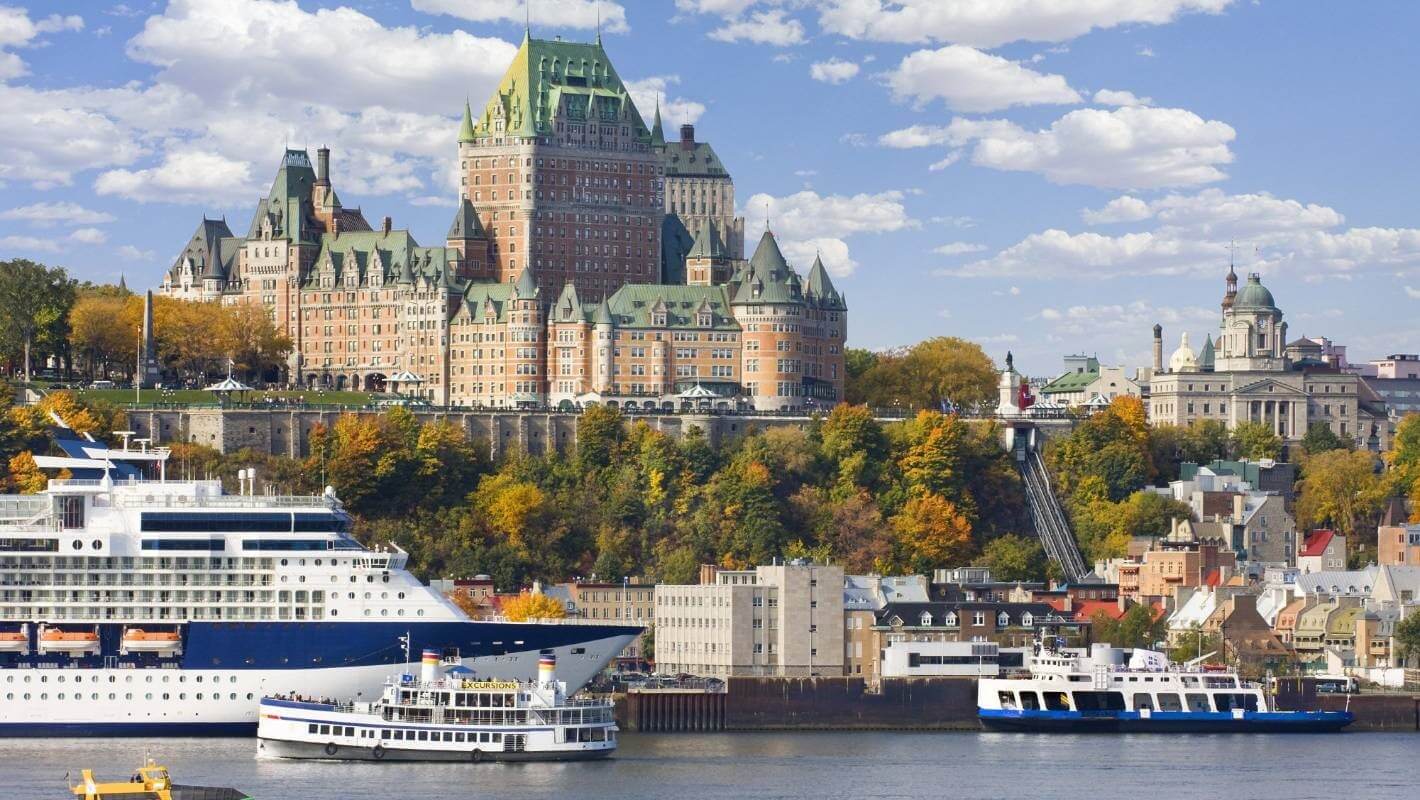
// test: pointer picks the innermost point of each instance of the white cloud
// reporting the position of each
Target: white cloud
(1120, 209)
(966, 79)
(130, 253)
(958, 248)
(834, 70)
(1412, 293)
(544, 13)
(771, 27)
(1127, 148)
(434, 200)
(675, 111)
(915, 136)
(725, 8)
(47, 136)
(88, 236)
(60, 212)
(989, 23)
(1192, 236)
(806, 222)
(1112, 97)
(1140, 315)
(951, 158)
(955, 222)
(249, 51)
(1145, 52)
(23, 244)
(18, 30)
(184, 177)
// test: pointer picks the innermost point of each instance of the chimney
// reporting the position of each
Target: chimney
(323, 166)
(1158, 348)
(386, 225)
(687, 137)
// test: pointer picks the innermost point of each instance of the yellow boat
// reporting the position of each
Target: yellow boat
(150, 782)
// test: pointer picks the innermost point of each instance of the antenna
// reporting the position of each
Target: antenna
(527, 18)
(598, 7)
(766, 216)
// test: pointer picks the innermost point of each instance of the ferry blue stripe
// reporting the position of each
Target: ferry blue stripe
(1283, 717)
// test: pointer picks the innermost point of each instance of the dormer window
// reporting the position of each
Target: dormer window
(703, 319)
(658, 318)
(1003, 619)
(926, 619)
(1027, 619)
(950, 620)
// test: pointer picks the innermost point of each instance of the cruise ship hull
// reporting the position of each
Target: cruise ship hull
(1165, 722)
(213, 686)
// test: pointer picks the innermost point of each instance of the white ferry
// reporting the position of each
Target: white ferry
(1100, 691)
(446, 715)
(135, 605)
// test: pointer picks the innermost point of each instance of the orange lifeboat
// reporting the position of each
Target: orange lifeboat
(74, 643)
(137, 640)
(15, 641)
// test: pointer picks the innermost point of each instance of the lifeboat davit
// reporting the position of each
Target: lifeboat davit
(15, 641)
(137, 640)
(74, 643)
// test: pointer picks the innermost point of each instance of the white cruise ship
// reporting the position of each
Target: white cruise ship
(130, 604)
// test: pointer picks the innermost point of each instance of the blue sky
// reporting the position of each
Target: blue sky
(1044, 176)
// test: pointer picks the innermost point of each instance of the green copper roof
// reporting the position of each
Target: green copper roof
(821, 289)
(658, 134)
(466, 224)
(699, 160)
(396, 255)
(769, 278)
(636, 305)
(548, 78)
(602, 316)
(1207, 354)
(1254, 295)
(466, 129)
(526, 287)
(206, 247)
(568, 307)
(1071, 382)
(481, 299)
(707, 243)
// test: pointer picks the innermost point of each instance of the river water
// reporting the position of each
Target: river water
(991, 766)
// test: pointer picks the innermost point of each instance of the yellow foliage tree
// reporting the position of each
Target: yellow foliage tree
(25, 474)
(932, 532)
(101, 334)
(528, 606)
(511, 506)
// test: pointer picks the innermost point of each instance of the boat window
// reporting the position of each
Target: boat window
(1056, 701)
(349, 731)
(1006, 700)
(423, 736)
(1197, 701)
(1230, 701)
(1030, 701)
(1099, 701)
(385, 734)
(1143, 700)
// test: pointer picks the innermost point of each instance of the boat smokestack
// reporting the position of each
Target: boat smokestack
(546, 669)
(429, 666)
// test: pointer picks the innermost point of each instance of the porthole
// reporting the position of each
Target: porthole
(97, 544)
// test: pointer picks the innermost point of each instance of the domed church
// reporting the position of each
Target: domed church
(1251, 373)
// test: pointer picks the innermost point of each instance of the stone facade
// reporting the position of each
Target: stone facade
(553, 286)
(1246, 375)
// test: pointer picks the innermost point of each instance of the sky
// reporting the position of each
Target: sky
(1042, 176)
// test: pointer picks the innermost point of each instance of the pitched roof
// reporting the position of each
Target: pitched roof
(633, 305)
(548, 76)
(707, 243)
(658, 134)
(1207, 355)
(212, 249)
(698, 160)
(526, 287)
(466, 224)
(1316, 543)
(821, 288)
(466, 128)
(568, 307)
(769, 279)
(1071, 382)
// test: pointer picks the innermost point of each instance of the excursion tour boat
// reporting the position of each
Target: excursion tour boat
(131, 604)
(1113, 690)
(445, 715)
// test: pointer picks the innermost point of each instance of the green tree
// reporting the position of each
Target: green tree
(600, 430)
(1013, 558)
(1137, 627)
(1205, 441)
(1147, 513)
(948, 369)
(1320, 439)
(1404, 455)
(1255, 441)
(1407, 638)
(34, 310)
(853, 441)
(1193, 644)
(857, 363)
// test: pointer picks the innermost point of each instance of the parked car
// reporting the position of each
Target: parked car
(103, 385)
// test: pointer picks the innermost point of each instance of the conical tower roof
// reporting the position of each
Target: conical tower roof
(658, 134)
(466, 129)
(1206, 355)
(707, 243)
(466, 224)
(768, 260)
(526, 287)
(569, 306)
(602, 316)
(821, 287)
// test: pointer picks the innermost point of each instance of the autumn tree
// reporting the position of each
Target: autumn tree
(99, 334)
(932, 533)
(25, 475)
(532, 606)
(249, 337)
(1339, 489)
(853, 441)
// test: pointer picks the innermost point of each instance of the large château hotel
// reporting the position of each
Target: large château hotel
(589, 261)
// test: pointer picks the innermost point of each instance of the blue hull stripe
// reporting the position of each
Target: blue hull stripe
(322, 645)
(1179, 721)
(100, 729)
